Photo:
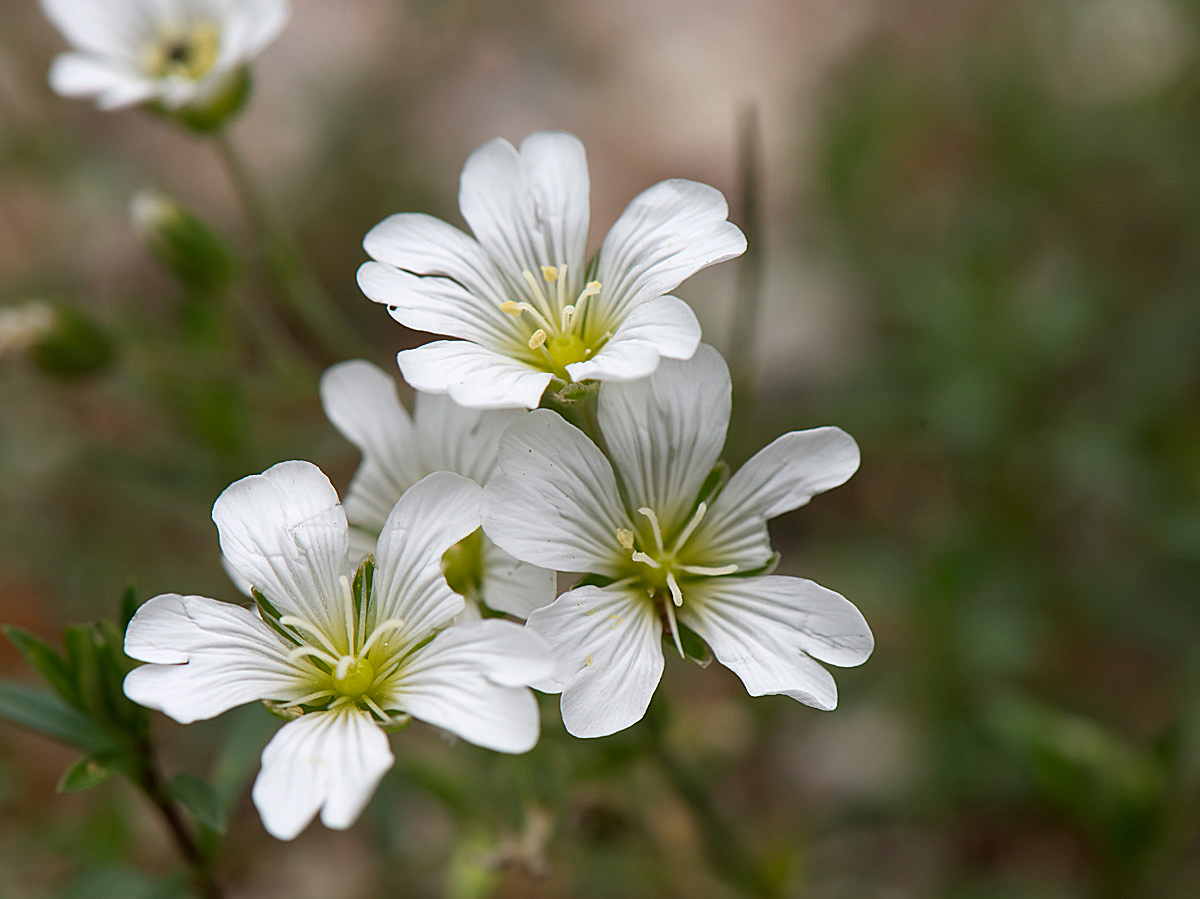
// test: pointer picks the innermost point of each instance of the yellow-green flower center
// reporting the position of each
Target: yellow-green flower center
(184, 53)
(564, 327)
(353, 676)
(462, 565)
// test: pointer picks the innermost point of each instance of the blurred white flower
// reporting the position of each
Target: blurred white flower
(670, 548)
(176, 52)
(362, 402)
(344, 654)
(23, 326)
(522, 298)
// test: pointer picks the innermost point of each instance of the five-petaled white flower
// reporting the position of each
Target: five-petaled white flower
(346, 653)
(362, 402)
(524, 302)
(674, 552)
(176, 52)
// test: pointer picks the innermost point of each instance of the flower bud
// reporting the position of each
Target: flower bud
(185, 245)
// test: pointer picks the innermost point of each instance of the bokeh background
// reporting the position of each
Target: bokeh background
(979, 227)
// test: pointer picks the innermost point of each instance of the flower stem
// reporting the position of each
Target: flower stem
(728, 854)
(750, 267)
(199, 863)
(305, 296)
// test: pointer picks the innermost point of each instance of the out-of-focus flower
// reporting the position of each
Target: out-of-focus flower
(361, 401)
(180, 53)
(669, 548)
(522, 298)
(188, 247)
(21, 327)
(344, 654)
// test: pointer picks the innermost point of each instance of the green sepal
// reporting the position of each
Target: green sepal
(271, 615)
(713, 484)
(90, 771)
(76, 347)
(47, 713)
(182, 242)
(211, 113)
(364, 580)
(129, 605)
(283, 710)
(47, 662)
(198, 796)
(695, 648)
(396, 723)
(593, 580)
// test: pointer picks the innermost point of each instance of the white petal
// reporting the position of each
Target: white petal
(529, 208)
(666, 235)
(109, 29)
(249, 25)
(782, 476)
(433, 515)
(475, 377)
(284, 531)
(329, 761)
(665, 432)
(470, 680)
(664, 327)
(607, 642)
(438, 306)
(513, 587)
(206, 657)
(425, 245)
(555, 501)
(767, 630)
(362, 402)
(76, 75)
(451, 437)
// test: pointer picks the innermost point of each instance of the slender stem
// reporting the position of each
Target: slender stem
(750, 269)
(199, 864)
(726, 851)
(307, 299)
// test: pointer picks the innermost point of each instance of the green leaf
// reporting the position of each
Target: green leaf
(199, 797)
(129, 605)
(48, 714)
(48, 663)
(86, 773)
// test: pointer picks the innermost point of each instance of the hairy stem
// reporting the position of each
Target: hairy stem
(199, 864)
(298, 286)
(726, 851)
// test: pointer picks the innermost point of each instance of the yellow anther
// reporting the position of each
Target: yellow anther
(625, 537)
(538, 338)
(592, 288)
(550, 273)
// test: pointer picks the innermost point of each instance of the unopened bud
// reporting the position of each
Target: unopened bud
(184, 244)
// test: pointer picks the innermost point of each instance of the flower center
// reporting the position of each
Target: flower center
(658, 566)
(353, 676)
(184, 53)
(462, 565)
(563, 329)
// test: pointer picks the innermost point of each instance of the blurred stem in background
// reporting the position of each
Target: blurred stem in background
(748, 301)
(726, 850)
(299, 287)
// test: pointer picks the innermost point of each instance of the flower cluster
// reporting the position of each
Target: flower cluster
(572, 424)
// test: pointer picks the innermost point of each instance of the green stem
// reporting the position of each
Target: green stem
(728, 854)
(750, 268)
(199, 864)
(307, 299)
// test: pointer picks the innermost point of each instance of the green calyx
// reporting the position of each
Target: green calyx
(462, 565)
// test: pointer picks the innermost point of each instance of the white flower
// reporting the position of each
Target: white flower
(522, 298)
(673, 553)
(23, 326)
(344, 653)
(177, 52)
(362, 402)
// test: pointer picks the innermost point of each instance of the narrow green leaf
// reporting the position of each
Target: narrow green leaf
(129, 605)
(86, 773)
(199, 797)
(46, 713)
(48, 663)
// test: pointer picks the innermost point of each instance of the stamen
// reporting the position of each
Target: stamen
(384, 627)
(304, 700)
(646, 560)
(538, 338)
(307, 626)
(673, 585)
(674, 626)
(311, 652)
(550, 273)
(707, 571)
(343, 665)
(649, 513)
(513, 308)
(373, 707)
(625, 537)
(590, 290)
(565, 317)
(689, 528)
